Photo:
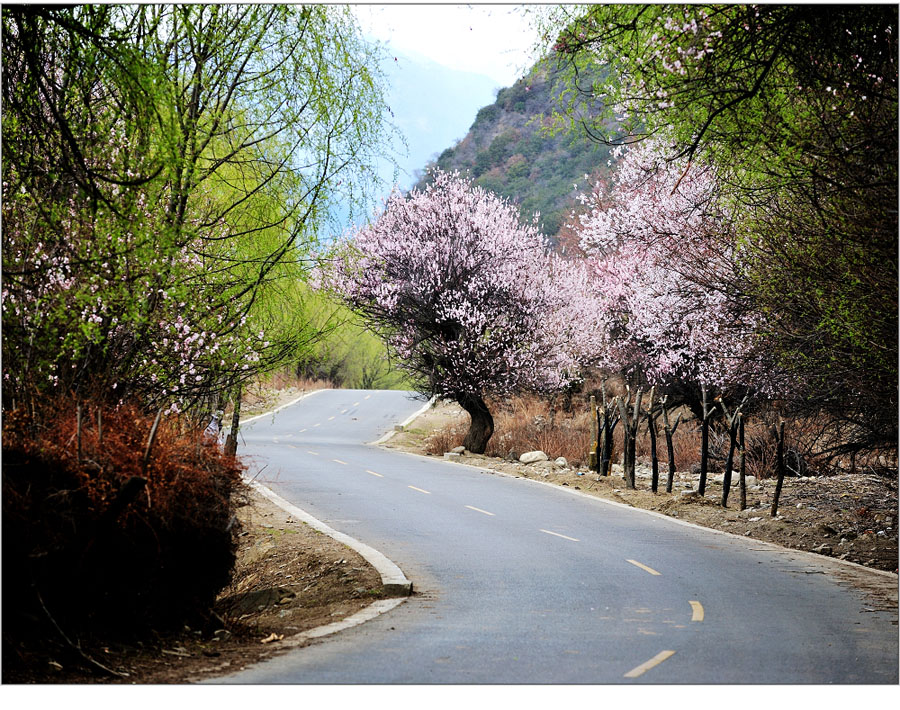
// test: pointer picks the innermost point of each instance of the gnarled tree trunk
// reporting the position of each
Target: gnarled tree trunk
(482, 426)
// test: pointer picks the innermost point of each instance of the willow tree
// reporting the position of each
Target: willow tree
(795, 107)
(167, 170)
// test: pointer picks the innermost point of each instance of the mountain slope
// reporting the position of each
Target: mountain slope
(510, 150)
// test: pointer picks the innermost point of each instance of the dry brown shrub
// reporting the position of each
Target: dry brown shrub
(105, 540)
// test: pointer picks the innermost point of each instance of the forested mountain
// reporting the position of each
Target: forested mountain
(510, 150)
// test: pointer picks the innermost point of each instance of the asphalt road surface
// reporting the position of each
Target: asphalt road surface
(520, 582)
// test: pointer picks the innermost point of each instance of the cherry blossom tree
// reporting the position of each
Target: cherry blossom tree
(669, 271)
(795, 108)
(470, 300)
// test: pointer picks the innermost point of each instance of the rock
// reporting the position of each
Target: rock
(533, 457)
(561, 461)
(690, 493)
(458, 450)
(823, 549)
(450, 455)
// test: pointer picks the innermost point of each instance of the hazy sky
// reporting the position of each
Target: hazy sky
(494, 40)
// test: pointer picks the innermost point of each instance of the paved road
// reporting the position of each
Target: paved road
(519, 582)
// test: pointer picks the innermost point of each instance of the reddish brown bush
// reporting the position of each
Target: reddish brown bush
(102, 539)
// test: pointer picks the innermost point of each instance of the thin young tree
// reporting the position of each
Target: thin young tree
(630, 423)
(670, 447)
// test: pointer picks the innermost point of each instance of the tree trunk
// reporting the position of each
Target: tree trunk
(670, 447)
(609, 428)
(779, 467)
(743, 464)
(482, 423)
(729, 462)
(704, 444)
(231, 440)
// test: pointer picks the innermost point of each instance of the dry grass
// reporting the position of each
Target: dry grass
(528, 423)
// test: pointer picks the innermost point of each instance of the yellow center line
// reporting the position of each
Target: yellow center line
(697, 611)
(472, 507)
(367, 396)
(643, 567)
(339, 461)
(565, 537)
(344, 411)
(315, 425)
(313, 453)
(374, 474)
(330, 418)
(356, 404)
(302, 430)
(644, 667)
(420, 490)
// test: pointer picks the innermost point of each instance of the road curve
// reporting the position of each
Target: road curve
(518, 582)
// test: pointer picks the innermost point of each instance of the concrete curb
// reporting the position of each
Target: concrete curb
(392, 577)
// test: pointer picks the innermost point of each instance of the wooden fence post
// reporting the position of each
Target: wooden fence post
(594, 455)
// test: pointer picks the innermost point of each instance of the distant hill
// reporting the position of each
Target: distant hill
(507, 152)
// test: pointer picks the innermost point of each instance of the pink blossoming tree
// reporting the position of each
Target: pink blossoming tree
(469, 299)
(669, 270)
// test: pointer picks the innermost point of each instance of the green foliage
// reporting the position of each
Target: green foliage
(167, 171)
(345, 352)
